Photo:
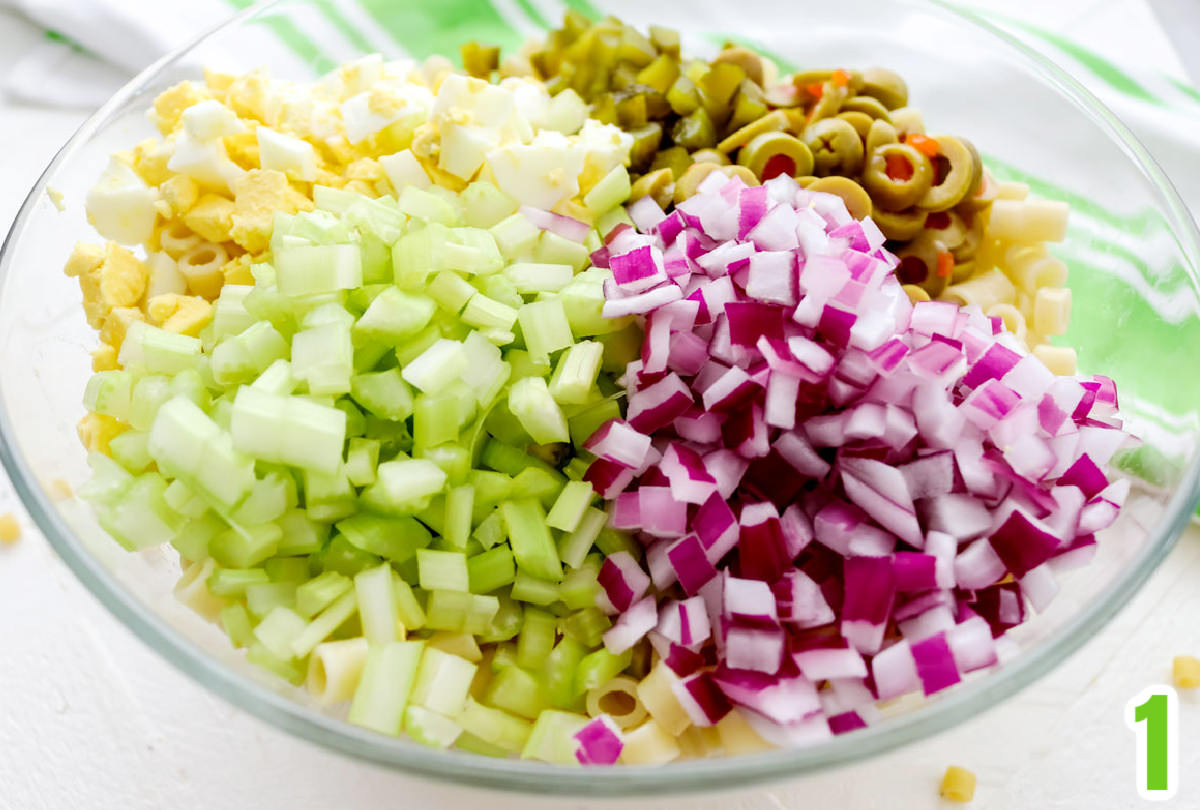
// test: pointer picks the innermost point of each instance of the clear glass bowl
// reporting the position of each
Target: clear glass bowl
(1132, 249)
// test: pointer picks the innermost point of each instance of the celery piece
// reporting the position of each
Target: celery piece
(575, 375)
(229, 313)
(599, 667)
(530, 402)
(516, 690)
(270, 496)
(501, 423)
(490, 530)
(186, 443)
(457, 522)
(453, 459)
(242, 357)
(328, 497)
(192, 540)
(387, 680)
(108, 481)
(393, 538)
(554, 249)
(559, 671)
(321, 627)
(315, 269)
(149, 394)
(504, 656)
(380, 218)
(323, 357)
(494, 726)
(505, 458)
(414, 255)
(576, 468)
(442, 682)
(393, 437)
(487, 313)
(535, 591)
(372, 357)
(538, 632)
(451, 291)
(278, 630)
(574, 547)
(587, 626)
(485, 206)
(395, 315)
(552, 738)
(586, 422)
(356, 422)
(263, 598)
(486, 373)
(621, 348)
(460, 611)
(462, 645)
(580, 588)
(109, 393)
(610, 541)
(290, 669)
(515, 236)
(491, 569)
(157, 350)
(234, 581)
(299, 534)
(383, 393)
(612, 190)
(333, 200)
(611, 219)
(470, 250)
(480, 612)
(344, 558)
(245, 547)
(506, 623)
(442, 570)
(532, 545)
(184, 500)
(570, 506)
(408, 606)
(276, 379)
(531, 277)
(544, 324)
(376, 255)
(190, 384)
(131, 450)
(499, 288)
(430, 728)
(433, 516)
(287, 569)
(235, 621)
(536, 482)
(436, 420)
(524, 365)
(436, 367)
(376, 598)
(472, 744)
(317, 594)
(428, 206)
(288, 430)
(402, 486)
(362, 457)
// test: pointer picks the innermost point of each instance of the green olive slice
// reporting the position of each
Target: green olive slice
(771, 122)
(958, 174)
(919, 265)
(835, 146)
(867, 105)
(886, 85)
(897, 176)
(859, 120)
(774, 153)
(899, 226)
(858, 202)
(881, 132)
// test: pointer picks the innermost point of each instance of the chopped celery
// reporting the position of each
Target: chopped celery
(569, 508)
(290, 669)
(401, 486)
(157, 350)
(376, 598)
(531, 277)
(452, 459)
(451, 291)
(300, 535)
(538, 632)
(262, 599)
(598, 667)
(457, 524)
(587, 626)
(610, 541)
(580, 588)
(341, 556)
(442, 682)
(413, 255)
(109, 393)
(387, 680)
(131, 450)
(516, 690)
(530, 401)
(552, 738)
(535, 591)
(494, 726)
(554, 249)
(612, 190)
(611, 219)
(532, 545)
(393, 538)
(442, 570)
(488, 313)
(362, 457)
(187, 444)
(484, 205)
(506, 623)
(383, 393)
(245, 547)
(323, 625)
(586, 422)
(490, 530)
(559, 671)
(278, 630)
(323, 357)
(524, 365)
(235, 621)
(575, 374)
(242, 357)
(270, 496)
(314, 269)
(539, 483)
(460, 611)
(545, 326)
(515, 235)
(428, 206)
(430, 728)
(233, 581)
(470, 250)
(328, 496)
(192, 540)
(491, 569)
(475, 745)
(394, 315)
(408, 607)
(436, 367)
(317, 594)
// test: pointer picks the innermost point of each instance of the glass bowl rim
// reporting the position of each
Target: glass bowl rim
(533, 777)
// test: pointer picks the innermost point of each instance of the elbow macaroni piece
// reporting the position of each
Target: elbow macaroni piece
(192, 589)
(657, 695)
(1051, 310)
(334, 669)
(649, 744)
(201, 268)
(983, 291)
(618, 699)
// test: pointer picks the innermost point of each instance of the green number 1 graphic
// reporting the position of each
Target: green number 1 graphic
(1153, 716)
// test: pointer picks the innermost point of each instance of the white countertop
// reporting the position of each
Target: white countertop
(91, 718)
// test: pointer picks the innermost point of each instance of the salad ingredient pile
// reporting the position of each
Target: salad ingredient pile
(590, 407)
